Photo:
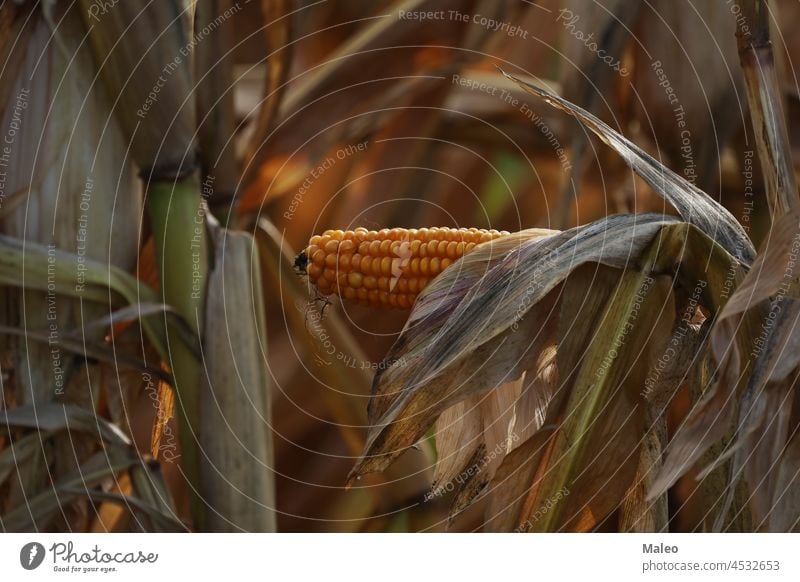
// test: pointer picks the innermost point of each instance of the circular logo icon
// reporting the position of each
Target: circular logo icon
(31, 555)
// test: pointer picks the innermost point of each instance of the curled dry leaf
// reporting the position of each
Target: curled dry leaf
(472, 438)
(482, 326)
(39, 510)
(741, 331)
(693, 205)
(56, 417)
(469, 331)
(588, 466)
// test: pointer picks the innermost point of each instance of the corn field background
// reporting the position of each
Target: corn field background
(399, 266)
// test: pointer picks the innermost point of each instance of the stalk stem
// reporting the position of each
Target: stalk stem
(766, 109)
(177, 218)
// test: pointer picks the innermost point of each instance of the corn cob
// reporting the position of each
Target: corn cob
(386, 268)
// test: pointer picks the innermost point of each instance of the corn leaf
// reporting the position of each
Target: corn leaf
(37, 512)
(468, 317)
(693, 205)
(56, 417)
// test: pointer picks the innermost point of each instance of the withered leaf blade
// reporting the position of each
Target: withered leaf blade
(432, 310)
(694, 206)
(489, 366)
(596, 448)
(55, 417)
(513, 481)
(36, 514)
(459, 438)
(764, 426)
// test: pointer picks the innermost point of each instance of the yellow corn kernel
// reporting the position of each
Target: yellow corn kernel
(386, 268)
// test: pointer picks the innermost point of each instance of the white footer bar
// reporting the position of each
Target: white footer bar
(401, 557)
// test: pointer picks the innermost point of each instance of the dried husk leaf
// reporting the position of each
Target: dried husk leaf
(464, 322)
(459, 439)
(585, 292)
(537, 393)
(478, 434)
(474, 436)
(236, 439)
(514, 481)
(735, 337)
(596, 448)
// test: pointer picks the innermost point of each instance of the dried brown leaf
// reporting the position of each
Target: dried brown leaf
(475, 323)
